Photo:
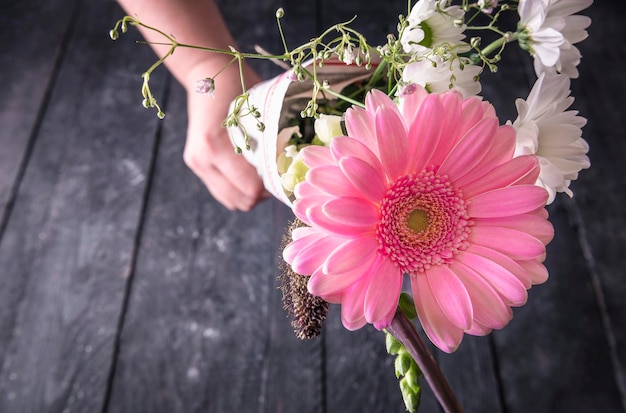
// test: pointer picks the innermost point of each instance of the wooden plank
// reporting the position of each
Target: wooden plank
(598, 204)
(205, 330)
(66, 252)
(30, 45)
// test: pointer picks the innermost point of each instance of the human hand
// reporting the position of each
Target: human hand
(209, 152)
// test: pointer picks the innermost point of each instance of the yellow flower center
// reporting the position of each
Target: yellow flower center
(423, 222)
(418, 220)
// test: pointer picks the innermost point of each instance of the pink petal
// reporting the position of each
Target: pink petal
(355, 253)
(361, 126)
(376, 99)
(472, 111)
(437, 326)
(383, 294)
(301, 232)
(392, 141)
(364, 177)
(318, 217)
(507, 201)
(478, 329)
(536, 226)
(451, 295)
(312, 257)
(409, 104)
(452, 102)
(301, 206)
(330, 285)
(503, 147)
(353, 305)
(516, 244)
(424, 134)
(344, 146)
(315, 155)
(502, 280)
(305, 190)
(331, 180)
(500, 153)
(505, 174)
(504, 261)
(536, 271)
(470, 150)
(354, 212)
(489, 309)
(295, 247)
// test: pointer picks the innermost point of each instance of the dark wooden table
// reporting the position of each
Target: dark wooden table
(126, 288)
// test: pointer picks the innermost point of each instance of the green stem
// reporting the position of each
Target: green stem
(403, 330)
(343, 97)
(497, 44)
(282, 35)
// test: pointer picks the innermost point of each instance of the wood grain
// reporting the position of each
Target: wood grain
(66, 251)
(31, 47)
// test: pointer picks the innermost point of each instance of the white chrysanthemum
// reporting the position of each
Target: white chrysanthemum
(552, 31)
(545, 128)
(431, 24)
(443, 76)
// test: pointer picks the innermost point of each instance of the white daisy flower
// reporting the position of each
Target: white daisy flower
(551, 30)
(438, 76)
(431, 24)
(545, 128)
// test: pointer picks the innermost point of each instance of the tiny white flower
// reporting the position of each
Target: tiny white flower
(545, 128)
(551, 30)
(443, 76)
(348, 55)
(327, 127)
(205, 86)
(431, 24)
(487, 6)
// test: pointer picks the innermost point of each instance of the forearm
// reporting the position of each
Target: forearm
(194, 22)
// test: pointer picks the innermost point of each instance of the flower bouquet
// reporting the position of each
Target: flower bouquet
(396, 168)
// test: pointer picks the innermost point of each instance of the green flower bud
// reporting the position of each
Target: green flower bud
(411, 399)
(407, 305)
(413, 377)
(403, 364)
(392, 344)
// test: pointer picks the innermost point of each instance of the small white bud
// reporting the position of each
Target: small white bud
(205, 86)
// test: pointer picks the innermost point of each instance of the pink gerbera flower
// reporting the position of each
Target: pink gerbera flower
(428, 188)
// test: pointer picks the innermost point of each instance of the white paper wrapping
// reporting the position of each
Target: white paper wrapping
(278, 100)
